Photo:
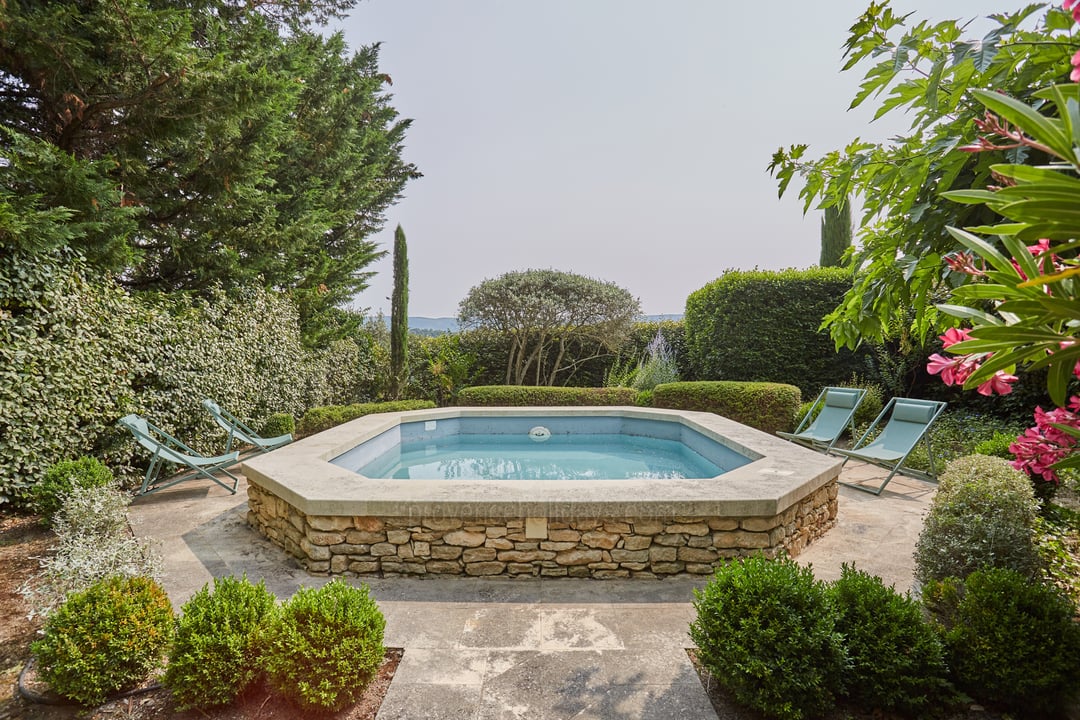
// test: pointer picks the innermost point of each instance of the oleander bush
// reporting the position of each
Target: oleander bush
(60, 479)
(766, 406)
(896, 660)
(529, 395)
(983, 515)
(323, 646)
(214, 653)
(105, 639)
(318, 419)
(766, 630)
(1009, 639)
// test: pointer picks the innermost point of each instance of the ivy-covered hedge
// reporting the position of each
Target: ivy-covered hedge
(516, 395)
(77, 354)
(763, 405)
(764, 325)
(321, 418)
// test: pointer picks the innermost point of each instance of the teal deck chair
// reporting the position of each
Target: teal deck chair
(239, 431)
(835, 408)
(168, 449)
(909, 421)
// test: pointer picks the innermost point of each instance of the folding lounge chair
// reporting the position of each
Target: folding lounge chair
(837, 412)
(168, 449)
(908, 423)
(239, 431)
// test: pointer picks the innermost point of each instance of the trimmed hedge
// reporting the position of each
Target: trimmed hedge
(766, 406)
(322, 418)
(513, 395)
(764, 325)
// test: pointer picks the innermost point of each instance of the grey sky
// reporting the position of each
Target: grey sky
(620, 139)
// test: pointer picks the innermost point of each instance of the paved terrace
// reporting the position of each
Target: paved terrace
(532, 648)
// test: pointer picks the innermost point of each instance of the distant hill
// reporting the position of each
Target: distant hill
(435, 326)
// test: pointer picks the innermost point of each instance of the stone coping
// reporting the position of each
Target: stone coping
(779, 475)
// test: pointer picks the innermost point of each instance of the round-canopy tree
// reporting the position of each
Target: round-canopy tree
(544, 313)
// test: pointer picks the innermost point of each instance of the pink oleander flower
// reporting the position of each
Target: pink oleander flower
(963, 262)
(955, 335)
(1000, 383)
(1072, 6)
(953, 370)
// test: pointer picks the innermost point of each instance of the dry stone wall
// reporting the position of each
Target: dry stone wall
(528, 546)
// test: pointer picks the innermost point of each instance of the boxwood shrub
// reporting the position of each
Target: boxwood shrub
(323, 646)
(214, 655)
(765, 406)
(105, 639)
(63, 477)
(528, 395)
(318, 419)
(896, 660)
(1010, 640)
(765, 630)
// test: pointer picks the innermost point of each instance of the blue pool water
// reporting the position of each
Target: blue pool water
(570, 448)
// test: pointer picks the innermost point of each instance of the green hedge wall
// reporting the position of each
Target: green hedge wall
(763, 325)
(515, 395)
(766, 406)
(78, 353)
(318, 419)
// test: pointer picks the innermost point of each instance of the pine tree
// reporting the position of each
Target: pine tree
(835, 234)
(399, 314)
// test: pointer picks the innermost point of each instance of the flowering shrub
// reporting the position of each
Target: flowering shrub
(1033, 288)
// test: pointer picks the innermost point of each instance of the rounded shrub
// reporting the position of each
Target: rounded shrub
(323, 646)
(766, 631)
(278, 424)
(896, 660)
(983, 515)
(105, 639)
(213, 655)
(47, 496)
(1010, 640)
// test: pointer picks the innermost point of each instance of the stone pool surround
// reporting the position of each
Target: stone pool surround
(335, 521)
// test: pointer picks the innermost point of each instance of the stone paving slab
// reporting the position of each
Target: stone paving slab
(535, 648)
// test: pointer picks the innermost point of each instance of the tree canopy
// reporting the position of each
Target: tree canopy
(192, 144)
(927, 70)
(545, 312)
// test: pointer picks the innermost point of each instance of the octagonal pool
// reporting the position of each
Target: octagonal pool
(695, 489)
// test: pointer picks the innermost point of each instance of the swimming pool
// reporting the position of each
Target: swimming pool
(541, 448)
(334, 520)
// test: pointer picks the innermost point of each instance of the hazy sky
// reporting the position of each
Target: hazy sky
(626, 140)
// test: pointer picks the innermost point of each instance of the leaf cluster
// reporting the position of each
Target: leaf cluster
(928, 71)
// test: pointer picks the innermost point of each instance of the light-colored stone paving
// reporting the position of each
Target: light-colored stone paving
(540, 649)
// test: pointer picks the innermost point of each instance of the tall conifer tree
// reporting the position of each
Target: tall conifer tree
(835, 234)
(399, 314)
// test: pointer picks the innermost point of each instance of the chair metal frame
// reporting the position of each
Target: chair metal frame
(869, 448)
(169, 450)
(805, 433)
(237, 430)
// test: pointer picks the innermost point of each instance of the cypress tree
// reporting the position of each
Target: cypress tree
(835, 234)
(399, 314)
